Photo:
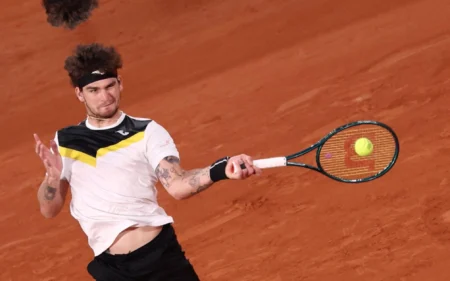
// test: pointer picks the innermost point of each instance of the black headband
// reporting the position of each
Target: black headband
(93, 77)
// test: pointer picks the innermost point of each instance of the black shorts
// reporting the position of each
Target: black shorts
(162, 259)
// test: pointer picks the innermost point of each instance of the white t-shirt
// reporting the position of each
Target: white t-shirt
(111, 172)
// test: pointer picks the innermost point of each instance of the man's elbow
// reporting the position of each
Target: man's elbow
(179, 195)
(178, 192)
(49, 213)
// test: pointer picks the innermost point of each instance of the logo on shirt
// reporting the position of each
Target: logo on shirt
(122, 132)
(166, 143)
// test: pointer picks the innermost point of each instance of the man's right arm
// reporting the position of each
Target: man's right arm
(51, 197)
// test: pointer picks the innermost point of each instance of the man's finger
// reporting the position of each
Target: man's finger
(239, 165)
(237, 170)
(37, 147)
(47, 164)
(247, 158)
(249, 169)
(42, 152)
(245, 173)
(54, 147)
(36, 138)
(249, 165)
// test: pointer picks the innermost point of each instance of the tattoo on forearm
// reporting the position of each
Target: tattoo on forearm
(49, 193)
(193, 178)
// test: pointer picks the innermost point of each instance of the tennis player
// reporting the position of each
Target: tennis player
(112, 161)
(68, 13)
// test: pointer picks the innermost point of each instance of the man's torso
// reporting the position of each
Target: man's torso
(111, 178)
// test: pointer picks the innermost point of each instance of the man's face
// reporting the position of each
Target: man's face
(102, 97)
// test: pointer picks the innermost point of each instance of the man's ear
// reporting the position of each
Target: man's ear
(120, 81)
(79, 94)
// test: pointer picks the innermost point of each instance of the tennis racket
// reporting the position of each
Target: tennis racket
(336, 156)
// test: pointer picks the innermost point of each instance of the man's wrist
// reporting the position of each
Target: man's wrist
(218, 168)
(53, 181)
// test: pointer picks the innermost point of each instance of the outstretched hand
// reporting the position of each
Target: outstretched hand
(233, 169)
(50, 158)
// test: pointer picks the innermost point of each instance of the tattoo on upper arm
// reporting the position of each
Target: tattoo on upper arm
(165, 174)
(49, 193)
(172, 159)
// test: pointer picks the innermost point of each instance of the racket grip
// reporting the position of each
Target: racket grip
(270, 162)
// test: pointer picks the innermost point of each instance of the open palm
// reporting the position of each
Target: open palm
(50, 158)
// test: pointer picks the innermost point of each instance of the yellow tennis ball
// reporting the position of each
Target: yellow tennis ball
(363, 147)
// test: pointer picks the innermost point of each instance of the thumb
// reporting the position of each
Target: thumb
(235, 170)
(229, 169)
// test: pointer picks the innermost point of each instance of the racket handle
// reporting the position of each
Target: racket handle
(270, 162)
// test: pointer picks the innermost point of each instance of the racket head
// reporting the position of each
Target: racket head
(337, 159)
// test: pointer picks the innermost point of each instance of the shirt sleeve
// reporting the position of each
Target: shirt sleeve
(160, 144)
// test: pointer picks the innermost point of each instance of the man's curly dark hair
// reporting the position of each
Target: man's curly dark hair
(68, 13)
(91, 57)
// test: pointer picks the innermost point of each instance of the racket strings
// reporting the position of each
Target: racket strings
(338, 157)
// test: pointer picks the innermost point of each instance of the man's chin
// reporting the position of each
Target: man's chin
(106, 114)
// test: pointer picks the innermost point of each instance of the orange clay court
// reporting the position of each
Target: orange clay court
(261, 77)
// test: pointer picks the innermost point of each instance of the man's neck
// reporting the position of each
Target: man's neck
(103, 122)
